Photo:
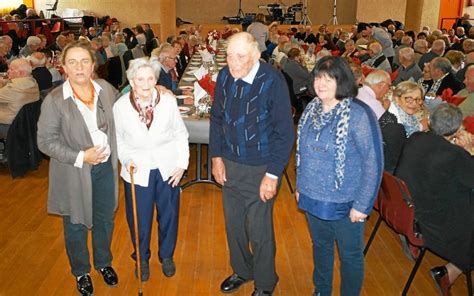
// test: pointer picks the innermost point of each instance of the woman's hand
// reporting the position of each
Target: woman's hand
(357, 216)
(425, 123)
(131, 167)
(176, 177)
(95, 155)
(297, 196)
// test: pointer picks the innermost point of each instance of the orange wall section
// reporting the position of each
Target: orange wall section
(450, 9)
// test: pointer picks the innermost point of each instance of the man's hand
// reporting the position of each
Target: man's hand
(357, 216)
(218, 170)
(95, 155)
(268, 188)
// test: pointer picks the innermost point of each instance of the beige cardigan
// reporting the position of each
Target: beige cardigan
(62, 133)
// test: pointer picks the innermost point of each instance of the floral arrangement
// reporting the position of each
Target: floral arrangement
(211, 41)
(208, 85)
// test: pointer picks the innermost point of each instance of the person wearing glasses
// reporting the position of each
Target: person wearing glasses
(76, 130)
(399, 121)
(339, 162)
(168, 77)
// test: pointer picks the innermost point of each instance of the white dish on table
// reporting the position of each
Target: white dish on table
(183, 109)
(183, 96)
(189, 78)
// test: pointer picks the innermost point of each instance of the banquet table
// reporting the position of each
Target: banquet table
(198, 129)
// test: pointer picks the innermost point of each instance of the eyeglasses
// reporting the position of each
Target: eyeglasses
(411, 100)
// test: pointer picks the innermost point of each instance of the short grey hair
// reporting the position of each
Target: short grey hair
(22, 65)
(33, 41)
(376, 77)
(37, 59)
(162, 52)
(249, 39)
(145, 62)
(442, 64)
(376, 47)
(419, 44)
(438, 46)
(446, 119)
(407, 53)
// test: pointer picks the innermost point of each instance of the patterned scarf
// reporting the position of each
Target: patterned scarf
(409, 122)
(145, 112)
(319, 120)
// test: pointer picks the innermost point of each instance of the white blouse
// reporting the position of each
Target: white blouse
(164, 146)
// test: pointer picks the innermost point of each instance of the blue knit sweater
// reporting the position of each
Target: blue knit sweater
(252, 123)
(363, 163)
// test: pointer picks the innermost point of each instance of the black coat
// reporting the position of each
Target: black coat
(440, 176)
(22, 147)
(394, 137)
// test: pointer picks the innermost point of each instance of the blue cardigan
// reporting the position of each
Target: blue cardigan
(363, 164)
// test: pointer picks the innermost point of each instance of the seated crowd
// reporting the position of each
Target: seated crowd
(403, 76)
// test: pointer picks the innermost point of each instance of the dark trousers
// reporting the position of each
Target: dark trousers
(75, 235)
(4, 130)
(350, 242)
(249, 225)
(165, 198)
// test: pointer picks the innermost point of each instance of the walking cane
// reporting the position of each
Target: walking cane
(135, 227)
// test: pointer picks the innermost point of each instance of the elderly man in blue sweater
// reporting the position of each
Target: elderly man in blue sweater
(251, 137)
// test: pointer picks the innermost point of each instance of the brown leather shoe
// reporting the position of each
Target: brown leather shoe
(441, 278)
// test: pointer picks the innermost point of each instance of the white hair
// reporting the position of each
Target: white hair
(33, 41)
(145, 62)
(376, 77)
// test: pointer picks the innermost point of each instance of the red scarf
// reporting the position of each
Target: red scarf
(145, 113)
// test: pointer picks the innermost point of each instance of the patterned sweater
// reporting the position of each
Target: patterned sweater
(251, 123)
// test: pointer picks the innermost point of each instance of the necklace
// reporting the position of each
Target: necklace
(89, 102)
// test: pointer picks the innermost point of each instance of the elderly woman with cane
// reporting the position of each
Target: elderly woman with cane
(152, 144)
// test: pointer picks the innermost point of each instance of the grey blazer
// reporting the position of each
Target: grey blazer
(62, 133)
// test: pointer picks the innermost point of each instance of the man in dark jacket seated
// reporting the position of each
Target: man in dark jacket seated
(168, 77)
(40, 73)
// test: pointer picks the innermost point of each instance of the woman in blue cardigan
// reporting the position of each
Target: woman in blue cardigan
(339, 167)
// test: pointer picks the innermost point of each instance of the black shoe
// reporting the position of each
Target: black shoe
(168, 267)
(145, 267)
(84, 285)
(232, 283)
(258, 292)
(441, 278)
(109, 275)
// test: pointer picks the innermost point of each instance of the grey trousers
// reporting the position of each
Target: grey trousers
(249, 225)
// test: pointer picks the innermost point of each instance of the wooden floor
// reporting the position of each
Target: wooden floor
(33, 260)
